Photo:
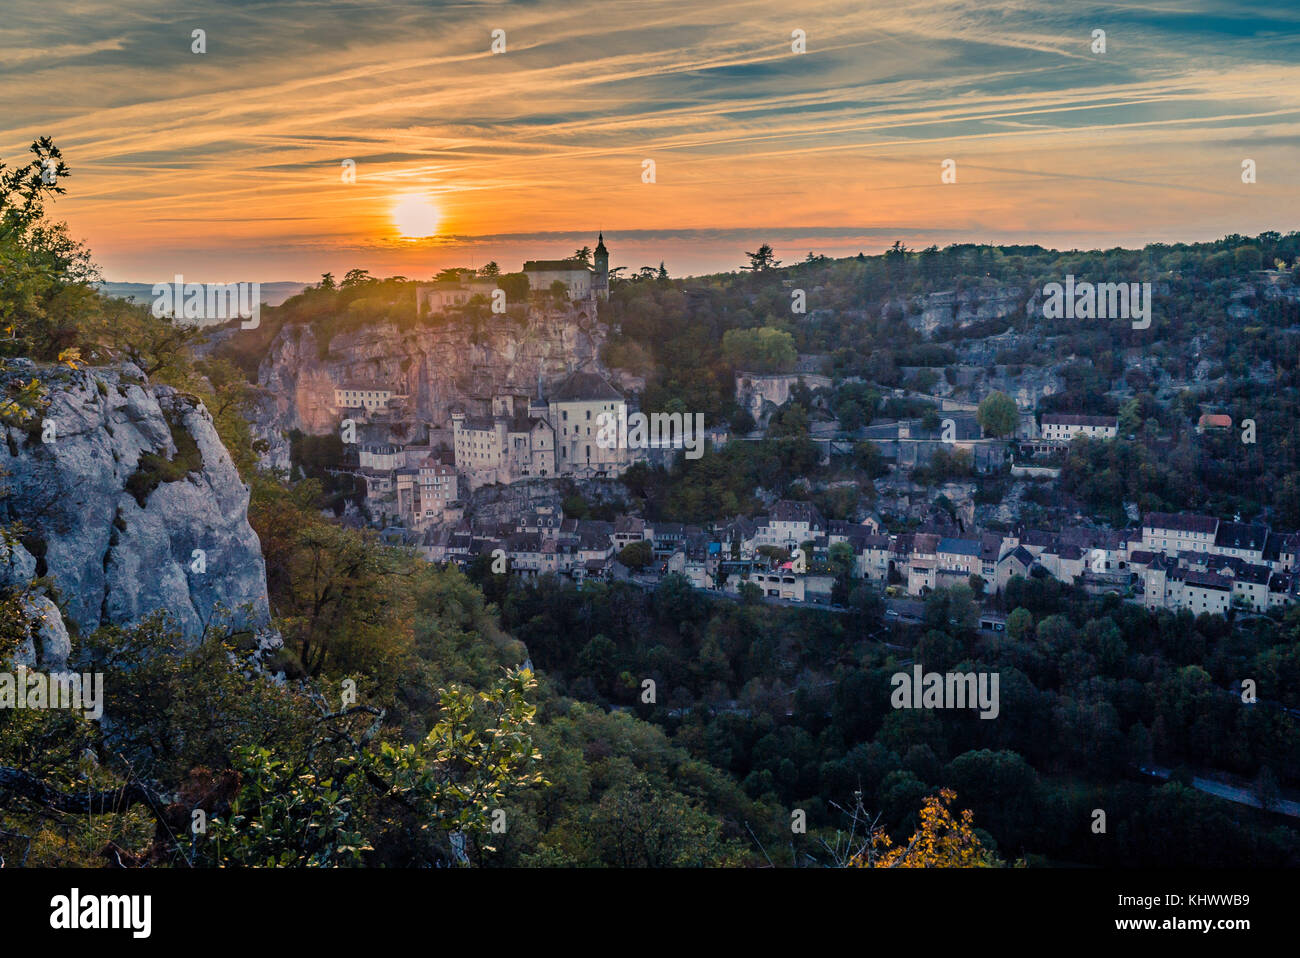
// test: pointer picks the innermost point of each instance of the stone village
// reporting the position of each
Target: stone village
(418, 492)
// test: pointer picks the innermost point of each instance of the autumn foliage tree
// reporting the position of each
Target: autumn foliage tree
(941, 840)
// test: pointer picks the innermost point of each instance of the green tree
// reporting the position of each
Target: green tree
(762, 260)
(763, 349)
(1020, 625)
(636, 555)
(45, 275)
(1130, 417)
(841, 558)
(640, 824)
(868, 458)
(478, 751)
(516, 287)
(997, 414)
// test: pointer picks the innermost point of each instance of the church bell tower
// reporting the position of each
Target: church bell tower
(600, 282)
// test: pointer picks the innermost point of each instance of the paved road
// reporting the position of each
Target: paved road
(1233, 793)
(909, 611)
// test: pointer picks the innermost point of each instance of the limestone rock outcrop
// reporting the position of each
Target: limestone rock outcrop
(439, 365)
(127, 503)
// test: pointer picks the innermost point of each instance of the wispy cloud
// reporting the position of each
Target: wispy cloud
(231, 160)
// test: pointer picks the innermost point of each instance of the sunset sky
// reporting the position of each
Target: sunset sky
(227, 165)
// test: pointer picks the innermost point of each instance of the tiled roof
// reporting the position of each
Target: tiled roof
(552, 265)
(584, 386)
(1180, 522)
(991, 546)
(964, 547)
(1208, 580)
(1069, 419)
(1021, 555)
(524, 542)
(1241, 535)
(1258, 574)
(925, 543)
(1086, 538)
(792, 510)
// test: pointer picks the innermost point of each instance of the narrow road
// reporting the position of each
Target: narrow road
(1232, 793)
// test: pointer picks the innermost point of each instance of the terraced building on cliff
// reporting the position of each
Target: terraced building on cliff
(541, 437)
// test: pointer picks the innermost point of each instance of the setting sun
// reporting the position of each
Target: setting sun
(415, 216)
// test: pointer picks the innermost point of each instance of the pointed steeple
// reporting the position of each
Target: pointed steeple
(600, 281)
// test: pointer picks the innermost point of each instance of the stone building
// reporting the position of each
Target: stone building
(1066, 426)
(437, 297)
(575, 411)
(516, 442)
(426, 493)
(544, 273)
(369, 397)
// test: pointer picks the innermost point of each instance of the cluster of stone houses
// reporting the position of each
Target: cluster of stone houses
(416, 486)
(1204, 564)
(541, 438)
(537, 543)
(409, 485)
(1173, 561)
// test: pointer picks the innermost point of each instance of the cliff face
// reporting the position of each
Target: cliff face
(933, 311)
(497, 503)
(132, 481)
(438, 366)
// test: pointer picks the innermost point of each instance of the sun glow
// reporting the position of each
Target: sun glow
(415, 216)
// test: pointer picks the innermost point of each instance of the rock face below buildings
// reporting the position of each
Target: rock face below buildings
(931, 311)
(132, 481)
(444, 364)
(896, 495)
(503, 503)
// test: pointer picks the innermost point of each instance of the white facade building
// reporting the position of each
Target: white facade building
(1065, 427)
